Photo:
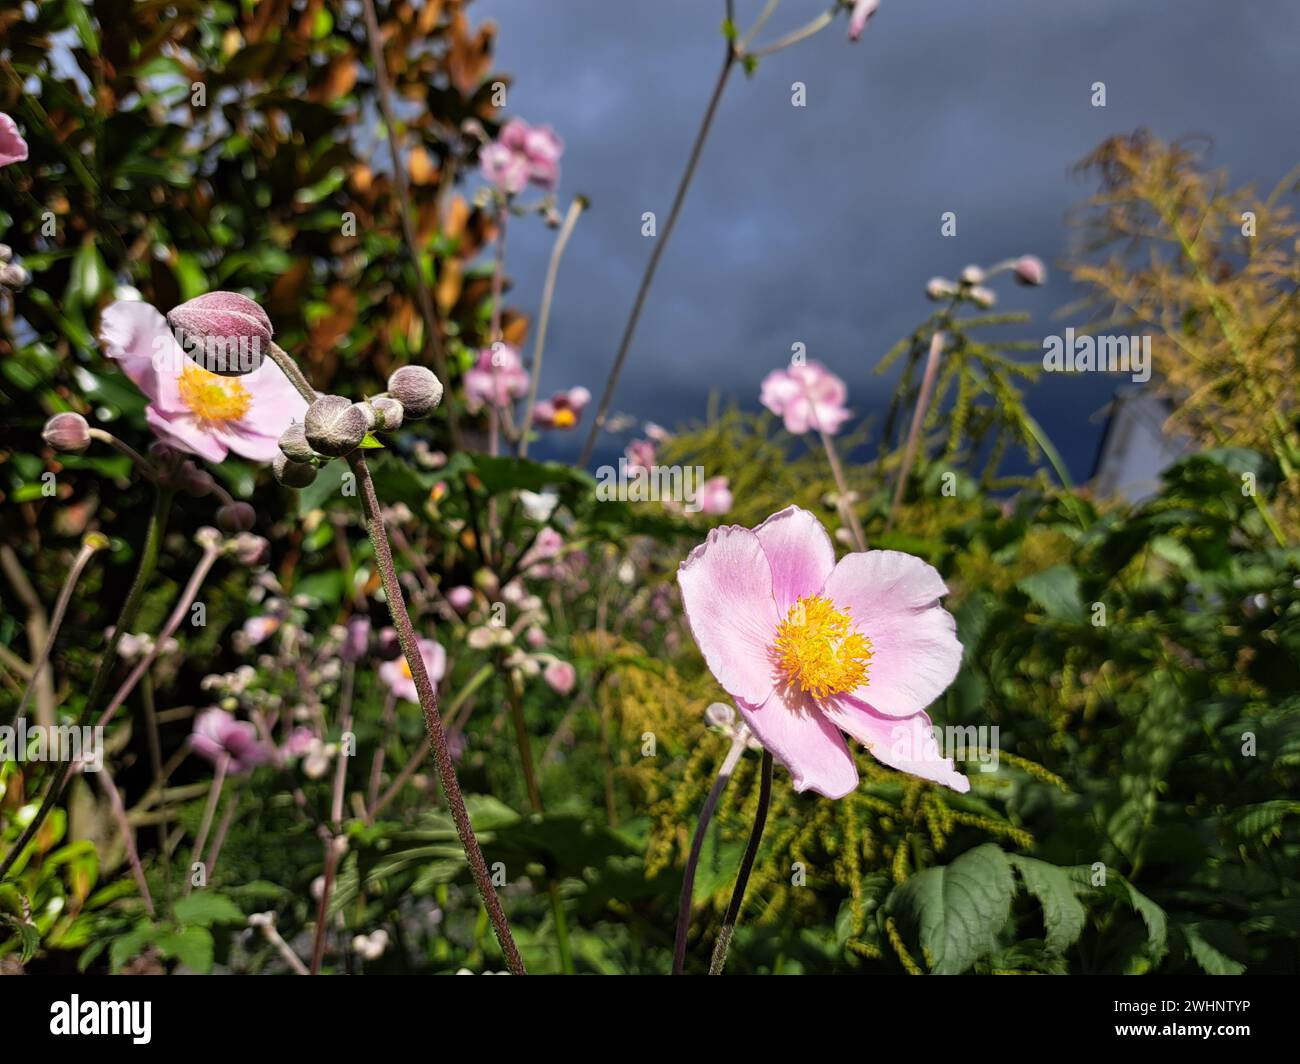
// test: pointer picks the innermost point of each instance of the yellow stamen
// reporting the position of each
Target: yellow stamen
(564, 419)
(819, 650)
(406, 668)
(211, 397)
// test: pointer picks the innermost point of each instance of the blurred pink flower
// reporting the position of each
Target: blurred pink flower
(218, 734)
(189, 408)
(860, 16)
(560, 676)
(300, 741)
(396, 674)
(356, 639)
(538, 146)
(259, 629)
(810, 648)
(807, 397)
(640, 454)
(460, 598)
(498, 377)
(13, 149)
(715, 496)
(504, 168)
(562, 410)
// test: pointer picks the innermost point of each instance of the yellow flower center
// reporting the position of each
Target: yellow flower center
(211, 397)
(406, 668)
(819, 650)
(564, 419)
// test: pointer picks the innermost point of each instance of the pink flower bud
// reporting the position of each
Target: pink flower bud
(67, 432)
(1029, 270)
(236, 517)
(560, 676)
(223, 332)
(460, 598)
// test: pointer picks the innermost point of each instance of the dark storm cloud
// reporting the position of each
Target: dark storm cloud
(821, 224)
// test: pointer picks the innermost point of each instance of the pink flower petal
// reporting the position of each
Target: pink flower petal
(137, 336)
(13, 149)
(800, 736)
(726, 587)
(907, 743)
(184, 434)
(893, 600)
(800, 553)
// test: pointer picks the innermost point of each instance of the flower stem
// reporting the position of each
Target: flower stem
(423, 296)
(697, 847)
(99, 685)
(91, 544)
(918, 416)
(128, 836)
(629, 331)
(746, 866)
(847, 512)
(429, 703)
(205, 825)
(548, 294)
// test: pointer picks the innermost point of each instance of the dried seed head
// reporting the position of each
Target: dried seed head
(417, 389)
(334, 426)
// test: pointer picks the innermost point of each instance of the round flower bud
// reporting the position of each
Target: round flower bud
(1029, 270)
(235, 517)
(14, 276)
(368, 412)
(67, 432)
(417, 389)
(983, 297)
(972, 275)
(388, 413)
(250, 550)
(292, 474)
(334, 426)
(294, 445)
(6, 253)
(193, 480)
(937, 288)
(223, 332)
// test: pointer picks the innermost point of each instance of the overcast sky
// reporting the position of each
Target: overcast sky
(821, 224)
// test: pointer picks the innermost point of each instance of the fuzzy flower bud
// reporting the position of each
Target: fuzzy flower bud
(972, 275)
(334, 426)
(417, 389)
(939, 288)
(1029, 270)
(223, 332)
(235, 517)
(294, 445)
(388, 413)
(67, 432)
(292, 474)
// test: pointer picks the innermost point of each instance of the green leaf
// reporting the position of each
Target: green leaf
(957, 910)
(192, 947)
(206, 908)
(1056, 592)
(1063, 915)
(1212, 959)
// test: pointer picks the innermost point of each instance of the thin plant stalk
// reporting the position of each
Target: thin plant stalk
(128, 836)
(99, 685)
(209, 811)
(91, 544)
(918, 417)
(805, 31)
(37, 632)
(387, 721)
(223, 828)
(423, 296)
(732, 915)
(429, 704)
(656, 253)
(729, 763)
(544, 317)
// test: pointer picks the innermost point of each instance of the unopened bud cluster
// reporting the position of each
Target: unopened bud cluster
(335, 426)
(12, 275)
(972, 285)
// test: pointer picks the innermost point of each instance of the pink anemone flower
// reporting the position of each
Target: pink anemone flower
(498, 377)
(538, 146)
(217, 734)
(810, 648)
(13, 149)
(562, 410)
(396, 675)
(807, 397)
(715, 496)
(190, 408)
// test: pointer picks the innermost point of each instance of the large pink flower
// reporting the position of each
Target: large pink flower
(190, 408)
(13, 149)
(498, 378)
(810, 648)
(396, 675)
(808, 397)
